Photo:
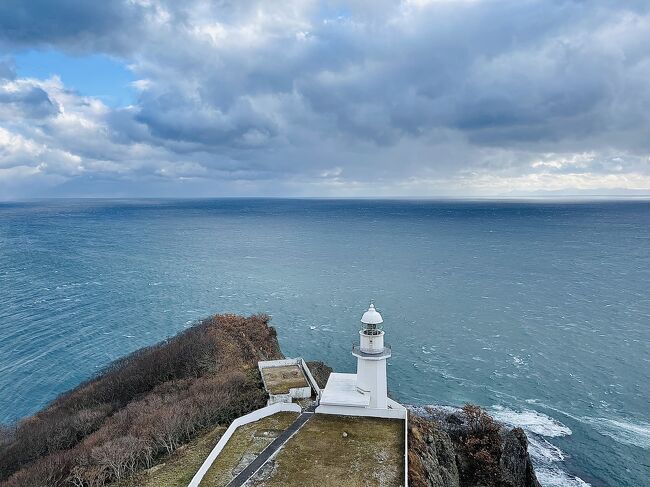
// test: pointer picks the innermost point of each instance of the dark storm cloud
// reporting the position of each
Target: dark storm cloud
(403, 93)
(79, 25)
(175, 118)
(500, 72)
(30, 102)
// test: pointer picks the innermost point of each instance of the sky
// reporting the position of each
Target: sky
(413, 98)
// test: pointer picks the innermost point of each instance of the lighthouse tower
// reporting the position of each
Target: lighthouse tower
(363, 393)
(371, 354)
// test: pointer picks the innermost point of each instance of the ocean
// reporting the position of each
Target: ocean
(537, 310)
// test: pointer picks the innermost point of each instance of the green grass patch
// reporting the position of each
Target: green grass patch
(339, 450)
(244, 446)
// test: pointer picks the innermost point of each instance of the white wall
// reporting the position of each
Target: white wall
(406, 442)
(263, 364)
(310, 378)
(242, 420)
(300, 392)
(276, 398)
(371, 377)
(360, 411)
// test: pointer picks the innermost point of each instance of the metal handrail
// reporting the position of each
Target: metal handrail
(357, 348)
(372, 331)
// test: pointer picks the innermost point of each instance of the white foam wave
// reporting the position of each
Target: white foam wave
(446, 409)
(636, 434)
(531, 420)
(546, 457)
(554, 477)
(544, 451)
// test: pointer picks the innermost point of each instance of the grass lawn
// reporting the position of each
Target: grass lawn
(244, 446)
(339, 450)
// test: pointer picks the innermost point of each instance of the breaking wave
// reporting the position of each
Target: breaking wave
(635, 434)
(555, 477)
(542, 450)
(546, 456)
(531, 421)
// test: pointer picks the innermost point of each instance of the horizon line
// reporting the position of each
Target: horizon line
(568, 197)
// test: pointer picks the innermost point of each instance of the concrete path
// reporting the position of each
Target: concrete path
(270, 450)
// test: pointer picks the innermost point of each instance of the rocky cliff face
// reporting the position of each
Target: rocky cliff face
(466, 449)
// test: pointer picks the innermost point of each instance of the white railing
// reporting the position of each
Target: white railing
(310, 378)
(242, 420)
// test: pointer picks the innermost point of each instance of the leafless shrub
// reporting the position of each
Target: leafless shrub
(141, 407)
(6, 435)
(479, 422)
(481, 442)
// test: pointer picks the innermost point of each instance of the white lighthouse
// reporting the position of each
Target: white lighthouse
(363, 393)
(371, 355)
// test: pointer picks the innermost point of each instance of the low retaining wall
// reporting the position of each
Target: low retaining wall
(310, 378)
(397, 411)
(406, 449)
(263, 364)
(278, 398)
(294, 392)
(242, 420)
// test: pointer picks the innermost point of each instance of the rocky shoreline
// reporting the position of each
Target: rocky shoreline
(466, 448)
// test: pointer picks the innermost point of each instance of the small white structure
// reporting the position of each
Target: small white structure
(364, 393)
(292, 388)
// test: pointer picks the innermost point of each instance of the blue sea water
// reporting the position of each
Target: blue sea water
(539, 311)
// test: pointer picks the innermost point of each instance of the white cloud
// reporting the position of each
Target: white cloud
(301, 97)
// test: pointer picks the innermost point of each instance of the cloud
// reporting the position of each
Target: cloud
(303, 97)
(77, 25)
(24, 99)
(7, 69)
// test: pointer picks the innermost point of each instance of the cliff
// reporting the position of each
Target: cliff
(466, 448)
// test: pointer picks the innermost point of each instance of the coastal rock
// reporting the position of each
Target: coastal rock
(515, 463)
(320, 371)
(466, 449)
(431, 456)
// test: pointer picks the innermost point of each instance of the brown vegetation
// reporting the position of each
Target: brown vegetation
(142, 407)
(481, 443)
(466, 449)
(320, 372)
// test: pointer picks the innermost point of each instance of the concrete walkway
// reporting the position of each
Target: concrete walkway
(270, 450)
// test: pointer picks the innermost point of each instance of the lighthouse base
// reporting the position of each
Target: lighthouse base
(341, 390)
(341, 396)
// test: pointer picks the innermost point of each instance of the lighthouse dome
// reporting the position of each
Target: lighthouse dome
(372, 316)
